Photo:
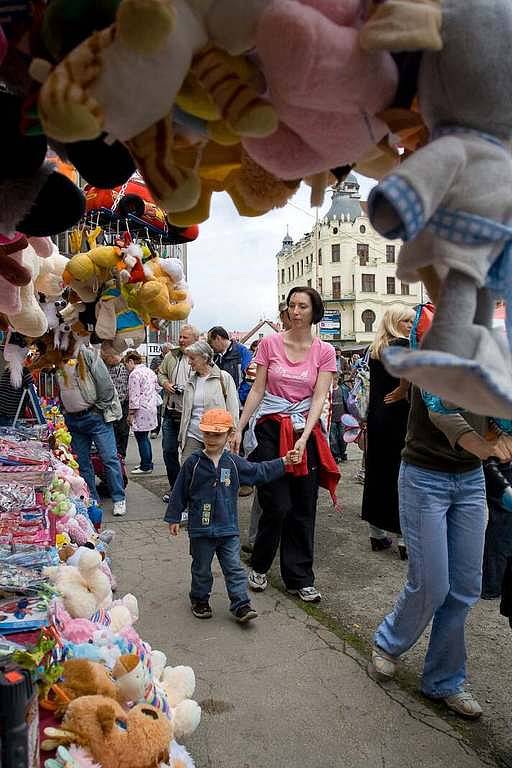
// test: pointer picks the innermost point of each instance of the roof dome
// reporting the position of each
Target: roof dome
(345, 204)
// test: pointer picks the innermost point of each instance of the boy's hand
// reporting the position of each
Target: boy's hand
(174, 529)
(292, 457)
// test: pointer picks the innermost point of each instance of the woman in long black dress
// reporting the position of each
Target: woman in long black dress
(388, 411)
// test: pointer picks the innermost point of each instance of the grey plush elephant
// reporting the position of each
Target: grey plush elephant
(451, 202)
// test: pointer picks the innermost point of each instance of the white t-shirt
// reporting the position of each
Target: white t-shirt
(197, 409)
(70, 393)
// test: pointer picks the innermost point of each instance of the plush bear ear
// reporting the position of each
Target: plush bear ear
(58, 206)
(106, 715)
(102, 165)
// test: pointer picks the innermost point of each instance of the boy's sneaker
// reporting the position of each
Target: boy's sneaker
(308, 594)
(139, 471)
(245, 613)
(202, 610)
(257, 581)
(119, 508)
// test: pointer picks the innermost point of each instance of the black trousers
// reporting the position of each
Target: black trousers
(122, 431)
(288, 514)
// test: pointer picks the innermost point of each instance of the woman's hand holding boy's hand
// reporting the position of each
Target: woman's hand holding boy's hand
(235, 441)
(292, 457)
(174, 529)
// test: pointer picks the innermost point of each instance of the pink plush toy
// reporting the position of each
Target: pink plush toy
(327, 91)
(3, 44)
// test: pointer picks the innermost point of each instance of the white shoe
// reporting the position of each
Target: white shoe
(383, 664)
(257, 581)
(465, 704)
(119, 508)
(308, 594)
(139, 471)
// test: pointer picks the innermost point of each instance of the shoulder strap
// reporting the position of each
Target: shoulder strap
(223, 385)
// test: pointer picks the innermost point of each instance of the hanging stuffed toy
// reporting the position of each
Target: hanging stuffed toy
(450, 202)
(403, 25)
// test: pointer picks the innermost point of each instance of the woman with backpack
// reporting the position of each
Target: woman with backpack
(388, 411)
(208, 387)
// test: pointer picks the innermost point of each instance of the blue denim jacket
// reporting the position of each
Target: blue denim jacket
(211, 493)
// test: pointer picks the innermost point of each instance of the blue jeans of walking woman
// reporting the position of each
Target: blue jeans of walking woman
(86, 429)
(145, 450)
(442, 517)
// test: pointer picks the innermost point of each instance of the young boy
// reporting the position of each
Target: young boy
(207, 486)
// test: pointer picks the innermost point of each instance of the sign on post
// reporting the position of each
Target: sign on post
(330, 324)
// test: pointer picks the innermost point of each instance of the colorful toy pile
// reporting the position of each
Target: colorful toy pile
(105, 697)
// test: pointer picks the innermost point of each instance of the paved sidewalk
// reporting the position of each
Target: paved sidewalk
(283, 692)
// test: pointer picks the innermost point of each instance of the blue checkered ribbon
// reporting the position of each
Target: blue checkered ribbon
(467, 228)
(405, 200)
(461, 130)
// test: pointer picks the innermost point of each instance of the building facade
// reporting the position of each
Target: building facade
(352, 267)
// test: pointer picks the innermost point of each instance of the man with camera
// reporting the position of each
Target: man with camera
(172, 375)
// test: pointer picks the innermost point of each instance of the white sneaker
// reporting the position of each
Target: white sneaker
(383, 664)
(257, 581)
(308, 594)
(139, 471)
(119, 508)
(465, 704)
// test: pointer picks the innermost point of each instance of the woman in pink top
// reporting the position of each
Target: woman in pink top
(293, 377)
(143, 400)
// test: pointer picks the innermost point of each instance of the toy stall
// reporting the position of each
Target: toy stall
(78, 686)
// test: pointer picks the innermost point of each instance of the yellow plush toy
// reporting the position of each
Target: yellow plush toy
(403, 25)
(165, 296)
(252, 189)
(86, 272)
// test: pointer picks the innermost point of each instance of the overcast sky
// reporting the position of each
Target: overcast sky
(232, 265)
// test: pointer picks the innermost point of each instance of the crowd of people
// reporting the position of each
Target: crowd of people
(274, 416)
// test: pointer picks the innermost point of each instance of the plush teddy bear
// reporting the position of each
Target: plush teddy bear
(137, 738)
(81, 677)
(160, 296)
(327, 101)
(85, 588)
(170, 693)
(449, 201)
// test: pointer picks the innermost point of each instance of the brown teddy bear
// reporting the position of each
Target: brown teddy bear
(82, 677)
(139, 738)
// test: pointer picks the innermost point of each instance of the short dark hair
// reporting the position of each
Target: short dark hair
(316, 301)
(137, 359)
(218, 330)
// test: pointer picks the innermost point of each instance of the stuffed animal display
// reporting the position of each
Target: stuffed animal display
(457, 229)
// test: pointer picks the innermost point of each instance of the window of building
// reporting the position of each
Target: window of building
(362, 229)
(368, 318)
(390, 254)
(363, 251)
(336, 251)
(336, 287)
(335, 230)
(283, 297)
(297, 271)
(319, 256)
(282, 275)
(390, 285)
(289, 274)
(320, 284)
(405, 289)
(368, 283)
(309, 283)
(293, 271)
(302, 267)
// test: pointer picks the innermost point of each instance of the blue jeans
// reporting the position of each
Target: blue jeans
(336, 442)
(145, 450)
(443, 522)
(227, 549)
(86, 430)
(170, 430)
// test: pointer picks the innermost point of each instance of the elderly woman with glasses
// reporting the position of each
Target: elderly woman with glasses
(208, 387)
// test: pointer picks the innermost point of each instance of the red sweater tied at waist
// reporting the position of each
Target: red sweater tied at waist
(328, 472)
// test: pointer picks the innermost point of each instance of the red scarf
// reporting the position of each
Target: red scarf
(328, 471)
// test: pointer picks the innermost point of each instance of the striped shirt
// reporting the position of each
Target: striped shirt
(10, 396)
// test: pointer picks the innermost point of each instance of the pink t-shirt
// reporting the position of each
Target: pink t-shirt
(294, 381)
